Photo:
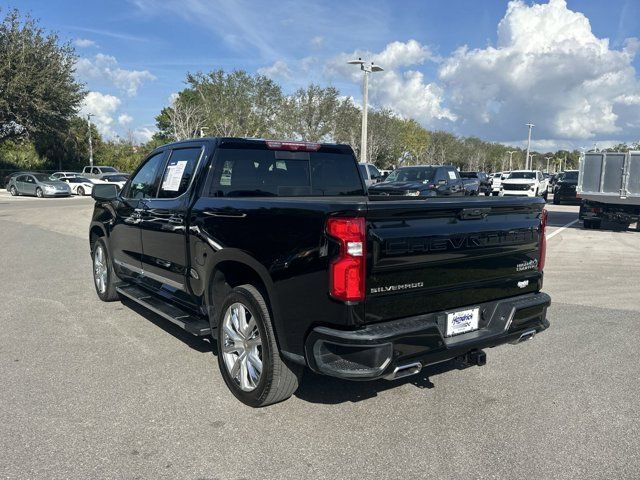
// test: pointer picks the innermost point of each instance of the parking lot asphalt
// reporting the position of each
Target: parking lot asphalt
(97, 390)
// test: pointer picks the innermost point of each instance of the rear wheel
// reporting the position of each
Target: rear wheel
(39, 193)
(248, 354)
(556, 199)
(13, 191)
(104, 278)
(80, 191)
(590, 223)
(545, 195)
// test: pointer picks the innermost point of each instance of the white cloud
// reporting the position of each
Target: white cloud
(103, 107)
(105, 67)
(143, 134)
(548, 68)
(317, 42)
(279, 69)
(84, 43)
(397, 87)
(125, 119)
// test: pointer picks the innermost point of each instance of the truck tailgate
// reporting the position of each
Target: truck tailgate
(438, 254)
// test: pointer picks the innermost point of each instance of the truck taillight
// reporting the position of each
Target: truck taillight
(347, 271)
(543, 239)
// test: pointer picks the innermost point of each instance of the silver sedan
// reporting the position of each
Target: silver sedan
(38, 184)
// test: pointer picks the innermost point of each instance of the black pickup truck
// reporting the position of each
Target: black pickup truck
(275, 250)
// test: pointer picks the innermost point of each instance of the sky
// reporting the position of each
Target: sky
(471, 67)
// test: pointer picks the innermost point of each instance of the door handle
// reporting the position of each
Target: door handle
(176, 219)
(223, 214)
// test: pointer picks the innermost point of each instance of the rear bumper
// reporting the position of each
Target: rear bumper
(378, 350)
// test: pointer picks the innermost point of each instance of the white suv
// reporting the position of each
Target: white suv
(526, 183)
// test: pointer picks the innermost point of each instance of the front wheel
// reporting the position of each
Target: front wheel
(39, 193)
(80, 191)
(13, 191)
(104, 278)
(556, 199)
(248, 354)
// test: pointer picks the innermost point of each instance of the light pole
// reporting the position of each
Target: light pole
(511, 152)
(526, 167)
(367, 68)
(548, 158)
(531, 155)
(89, 115)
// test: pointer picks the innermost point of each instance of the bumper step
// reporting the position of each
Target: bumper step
(195, 325)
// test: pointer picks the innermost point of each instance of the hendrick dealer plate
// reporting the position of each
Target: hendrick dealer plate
(462, 321)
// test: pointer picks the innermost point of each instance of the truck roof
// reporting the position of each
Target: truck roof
(268, 143)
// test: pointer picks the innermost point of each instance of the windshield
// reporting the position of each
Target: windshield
(412, 174)
(570, 176)
(42, 177)
(529, 175)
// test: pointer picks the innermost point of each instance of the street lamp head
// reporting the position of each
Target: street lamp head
(359, 61)
(376, 68)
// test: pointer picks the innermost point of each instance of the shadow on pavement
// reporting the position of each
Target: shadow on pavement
(317, 388)
(200, 344)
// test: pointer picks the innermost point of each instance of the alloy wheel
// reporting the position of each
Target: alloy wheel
(100, 269)
(242, 347)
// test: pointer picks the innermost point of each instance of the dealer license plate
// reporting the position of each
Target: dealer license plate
(462, 321)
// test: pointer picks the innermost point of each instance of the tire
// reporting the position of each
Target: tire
(103, 268)
(591, 224)
(13, 191)
(545, 195)
(39, 193)
(80, 191)
(277, 379)
(556, 200)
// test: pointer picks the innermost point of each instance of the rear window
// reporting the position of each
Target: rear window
(108, 170)
(468, 174)
(275, 173)
(570, 176)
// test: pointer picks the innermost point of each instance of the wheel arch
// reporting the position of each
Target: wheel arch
(233, 268)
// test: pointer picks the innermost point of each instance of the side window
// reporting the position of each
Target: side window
(144, 184)
(29, 179)
(177, 175)
(363, 171)
(375, 173)
(539, 176)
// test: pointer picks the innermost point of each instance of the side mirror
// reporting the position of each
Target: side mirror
(104, 192)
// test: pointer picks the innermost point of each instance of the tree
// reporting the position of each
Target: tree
(38, 92)
(237, 104)
(309, 114)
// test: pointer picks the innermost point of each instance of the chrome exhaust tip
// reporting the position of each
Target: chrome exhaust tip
(404, 371)
(528, 335)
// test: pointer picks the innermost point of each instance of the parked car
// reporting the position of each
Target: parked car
(565, 187)
(79, 185)
(118, 178)
(370, 173)
(275, 250)
(98, 171)
(65, 174)
(421, 181)
(483, 179)
(38, 184)
(529, 183)
(496, 181)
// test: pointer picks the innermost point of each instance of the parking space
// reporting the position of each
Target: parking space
(95, 390)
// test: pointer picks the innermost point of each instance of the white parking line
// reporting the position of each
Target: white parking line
(555, 232)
